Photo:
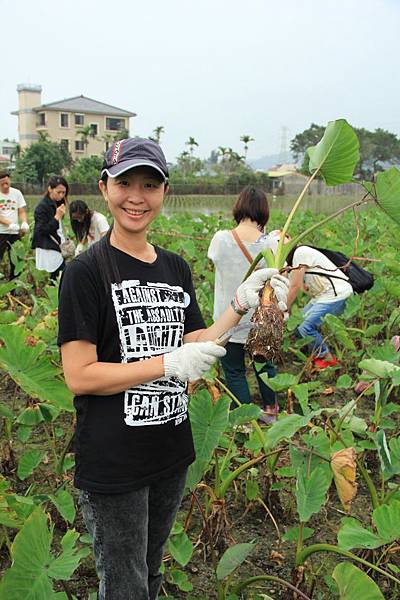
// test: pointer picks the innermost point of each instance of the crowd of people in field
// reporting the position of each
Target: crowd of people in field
(132, 336)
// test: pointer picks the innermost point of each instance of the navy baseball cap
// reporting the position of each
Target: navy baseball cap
(134, 152)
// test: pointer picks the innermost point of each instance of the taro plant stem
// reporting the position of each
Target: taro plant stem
(306, 552)
(252, 580)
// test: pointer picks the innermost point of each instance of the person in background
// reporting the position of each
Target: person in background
(89, 226)
(131, 337)
(13, 221)
(232, 252)
(48, 233)
(329, 289)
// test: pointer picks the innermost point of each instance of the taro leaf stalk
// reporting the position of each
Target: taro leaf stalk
(334, 158)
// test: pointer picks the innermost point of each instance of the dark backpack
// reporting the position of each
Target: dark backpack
(360, 279)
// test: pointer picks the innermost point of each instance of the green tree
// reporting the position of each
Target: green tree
(246, 139)
(41, 160)
(191, 142)
(188, 164)
(305, 139)
(86, 170)
(157, 132)
(86, 133)
(123, 134)
(377, 149)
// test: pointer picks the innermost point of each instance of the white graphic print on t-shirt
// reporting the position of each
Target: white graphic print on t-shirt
(150, 322)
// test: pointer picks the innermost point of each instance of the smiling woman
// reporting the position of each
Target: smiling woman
(131, 337)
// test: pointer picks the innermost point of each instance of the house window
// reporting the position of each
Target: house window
(79, 146)
(41, 120)
(64, 144)
(64, 120)
(7, 151)
(113, 124)
(79, 120)
(94, 129)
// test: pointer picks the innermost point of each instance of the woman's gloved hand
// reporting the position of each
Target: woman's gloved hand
(247, 294)
(190, 361)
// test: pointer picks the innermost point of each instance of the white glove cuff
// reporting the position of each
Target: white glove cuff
(237, 307)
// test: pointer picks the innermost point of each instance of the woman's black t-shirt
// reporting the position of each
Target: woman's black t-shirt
(127, 440)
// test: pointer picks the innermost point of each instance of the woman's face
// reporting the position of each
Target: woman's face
(78, 216)
(57, 194)
(134, 198)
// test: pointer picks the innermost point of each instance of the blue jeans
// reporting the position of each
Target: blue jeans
(129, 532)
(313, 313)
(233, 364)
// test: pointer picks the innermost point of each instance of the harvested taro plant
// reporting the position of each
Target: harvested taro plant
(333, 159)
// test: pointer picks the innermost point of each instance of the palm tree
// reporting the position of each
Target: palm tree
(157, 131)
(86, 133)
(191, 143)
(246, 139)
(108, 139)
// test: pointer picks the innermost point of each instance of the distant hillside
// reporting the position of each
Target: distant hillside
(266, 162)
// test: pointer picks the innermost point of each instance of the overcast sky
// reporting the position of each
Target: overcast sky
(211, 69)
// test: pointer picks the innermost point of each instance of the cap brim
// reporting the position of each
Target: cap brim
(124, 166)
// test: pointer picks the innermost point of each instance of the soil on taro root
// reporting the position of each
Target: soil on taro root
(246, 522)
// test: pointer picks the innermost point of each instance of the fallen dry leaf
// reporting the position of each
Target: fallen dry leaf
(277, 558)
(328, 391)
(343, 463)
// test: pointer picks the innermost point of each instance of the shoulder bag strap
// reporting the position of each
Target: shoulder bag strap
(55, 241)
(242, 246)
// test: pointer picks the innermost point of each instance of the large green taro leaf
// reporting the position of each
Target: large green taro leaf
(30, 367)
(336, 154)
(387, 191)
(353, 535)
(386, 519)
(208, 422)
(33, 564)
(354, 583)
(311, 490)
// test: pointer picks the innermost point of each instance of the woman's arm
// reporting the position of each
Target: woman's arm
(296, 284)
(45, 222)
(227, 320)
(85, 375)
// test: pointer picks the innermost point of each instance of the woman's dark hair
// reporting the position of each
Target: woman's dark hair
(289, 258)
(252, 204)
(104, 256)
(80, 228)
(55, 181)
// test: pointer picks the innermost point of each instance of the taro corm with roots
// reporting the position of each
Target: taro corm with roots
(264, 343)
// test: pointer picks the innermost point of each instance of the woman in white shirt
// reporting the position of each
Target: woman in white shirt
(89, 226)
(329, 289)
(251, 213)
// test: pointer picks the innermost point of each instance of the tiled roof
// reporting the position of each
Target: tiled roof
(82, 104)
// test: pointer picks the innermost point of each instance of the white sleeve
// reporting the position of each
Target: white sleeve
(213, 249)
(20, 200)
(102, 223)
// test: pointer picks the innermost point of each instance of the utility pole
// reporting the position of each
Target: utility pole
(284, 141)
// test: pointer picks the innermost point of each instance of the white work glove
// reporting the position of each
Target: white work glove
(13, 228)
(247, 294)
(24, 227)
(190, 361)
(79, 249)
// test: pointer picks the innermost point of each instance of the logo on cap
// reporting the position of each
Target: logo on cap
(116, 151)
